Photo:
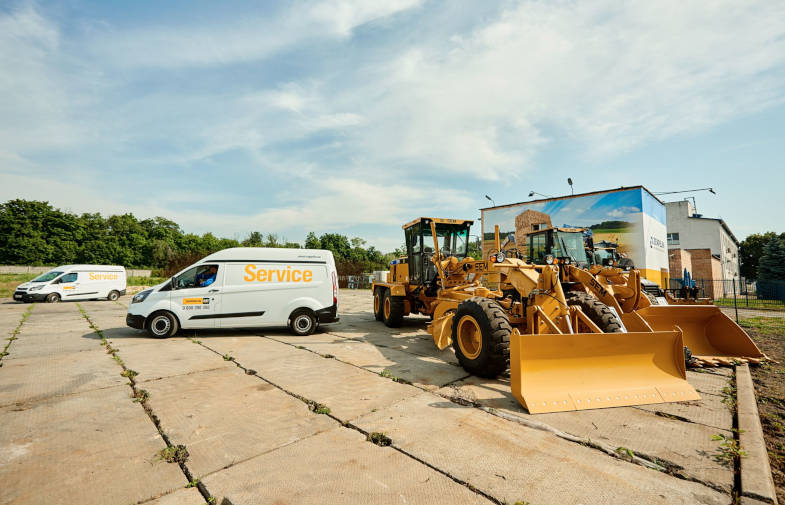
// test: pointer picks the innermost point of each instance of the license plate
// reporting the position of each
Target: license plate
(17, 297)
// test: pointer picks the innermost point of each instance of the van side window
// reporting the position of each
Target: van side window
(69, 277)
(197, 277)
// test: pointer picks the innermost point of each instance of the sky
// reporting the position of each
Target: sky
(355, 117)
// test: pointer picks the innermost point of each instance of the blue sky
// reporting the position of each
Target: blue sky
(355, 117)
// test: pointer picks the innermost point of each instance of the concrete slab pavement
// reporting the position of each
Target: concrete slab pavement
(96, 447)
(337, 467)
(224, 417)
(513, 462)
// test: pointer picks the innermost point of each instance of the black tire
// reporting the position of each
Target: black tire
(302, 322)
(492, 356)
(162, 324)
(52, 298)
(113, 296)
(378, 300)
(392, 309)
(598, 312)
(652, 298)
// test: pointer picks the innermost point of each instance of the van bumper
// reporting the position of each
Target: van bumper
(328, 314)
(24, 296)
(135, 321)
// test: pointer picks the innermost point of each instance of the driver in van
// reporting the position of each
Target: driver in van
(207, 277)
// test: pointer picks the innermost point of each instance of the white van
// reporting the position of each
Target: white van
(243, 287)
(74, 282)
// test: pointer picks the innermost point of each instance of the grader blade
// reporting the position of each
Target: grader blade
(578, 371)
(713, 337)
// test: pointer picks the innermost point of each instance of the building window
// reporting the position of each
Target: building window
(673, 239)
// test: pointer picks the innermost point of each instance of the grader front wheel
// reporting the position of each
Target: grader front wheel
(392, 309)
(378, 301)
(481, 337)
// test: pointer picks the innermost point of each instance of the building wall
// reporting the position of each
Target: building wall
(706, 267)
(702, 233)
(678, 260)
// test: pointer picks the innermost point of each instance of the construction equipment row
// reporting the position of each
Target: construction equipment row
(574, 335)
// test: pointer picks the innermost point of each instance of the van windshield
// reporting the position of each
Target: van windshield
(48, 276)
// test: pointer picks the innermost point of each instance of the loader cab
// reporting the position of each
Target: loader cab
(452, 236)
(606, 253)
(558, 243)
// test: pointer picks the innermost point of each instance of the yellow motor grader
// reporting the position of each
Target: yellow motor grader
(566, 350)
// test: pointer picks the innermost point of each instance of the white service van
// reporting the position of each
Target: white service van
(74, 282)
(243, 287)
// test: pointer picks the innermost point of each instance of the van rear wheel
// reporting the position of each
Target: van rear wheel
(113, 296)
(162, 325)
(52, 298)
(302, 322)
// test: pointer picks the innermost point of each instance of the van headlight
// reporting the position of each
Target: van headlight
(35, 288)
(141, 296)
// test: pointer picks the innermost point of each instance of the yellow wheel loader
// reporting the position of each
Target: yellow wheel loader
(711, 337)
(565, 351)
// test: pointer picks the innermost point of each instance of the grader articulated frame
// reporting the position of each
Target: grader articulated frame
(565, 351)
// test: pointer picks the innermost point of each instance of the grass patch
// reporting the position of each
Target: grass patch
(380, 439)
(9, 282)
(741, 303)
(174, 454)
(134, 280)
(765, 325)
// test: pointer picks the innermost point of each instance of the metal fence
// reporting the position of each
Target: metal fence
(740, 293)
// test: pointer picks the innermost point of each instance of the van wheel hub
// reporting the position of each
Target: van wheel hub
(303, 323)
(161, 325)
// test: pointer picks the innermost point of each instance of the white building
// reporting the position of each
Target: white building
(688, 230)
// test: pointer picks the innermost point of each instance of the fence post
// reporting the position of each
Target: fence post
(735, 306)
(746, 292)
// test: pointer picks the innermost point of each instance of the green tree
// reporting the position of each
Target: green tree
(751, 250)
(772, 263)
(255, 239)
(312, 241)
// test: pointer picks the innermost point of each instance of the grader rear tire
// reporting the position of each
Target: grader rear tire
(481, 337)
(378, 301)
(598, 312)
(392, 309)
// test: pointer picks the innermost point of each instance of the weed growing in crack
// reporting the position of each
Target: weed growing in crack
(193, 483)
(228, 358)
(141, 395)
(729, 449)
(386, 373)
(129, 373)
(174, 454)
(318, 408)
(14, 333)
(380, 439)
(299, 347)
(729, 395)
(328, 356)
(625, 453)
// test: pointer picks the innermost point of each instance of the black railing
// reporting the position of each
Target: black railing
(736, 293)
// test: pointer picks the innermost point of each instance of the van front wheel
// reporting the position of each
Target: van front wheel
(113, 296)
(162, 325)
(52, 298)
(302, 322)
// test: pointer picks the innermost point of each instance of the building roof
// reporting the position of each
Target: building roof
(622, 188)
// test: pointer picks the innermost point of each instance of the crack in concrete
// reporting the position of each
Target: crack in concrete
(349, 425)
(640, 459)
(15, 333)
(141, 396)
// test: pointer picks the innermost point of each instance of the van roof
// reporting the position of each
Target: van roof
(112, 268)
(251, 254)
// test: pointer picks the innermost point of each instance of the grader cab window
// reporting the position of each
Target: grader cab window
(452, 240)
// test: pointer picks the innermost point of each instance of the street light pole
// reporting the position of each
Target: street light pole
(532, 193)
(491, 200)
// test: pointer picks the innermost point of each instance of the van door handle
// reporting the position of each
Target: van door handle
(213, 291)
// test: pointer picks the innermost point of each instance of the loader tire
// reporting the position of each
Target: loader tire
(378, 300)
(481, 337)
(598, 312)
(392, 309)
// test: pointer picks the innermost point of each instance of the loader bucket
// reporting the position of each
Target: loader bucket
(713, 337)
(578, 371)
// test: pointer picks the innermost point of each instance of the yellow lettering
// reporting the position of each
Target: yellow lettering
(261, 276)
(249, 269)
(296, 277)
(288, 274)
(281, 275)
(307, 276)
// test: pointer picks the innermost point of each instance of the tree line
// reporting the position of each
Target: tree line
(762, 256)
(35, 233)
